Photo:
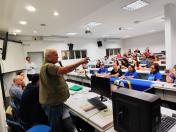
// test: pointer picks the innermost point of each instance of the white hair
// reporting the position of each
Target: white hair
(48, 52)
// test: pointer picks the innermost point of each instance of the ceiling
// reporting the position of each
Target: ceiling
(74, 14)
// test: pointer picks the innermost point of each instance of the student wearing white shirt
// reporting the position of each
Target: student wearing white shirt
(30, 67)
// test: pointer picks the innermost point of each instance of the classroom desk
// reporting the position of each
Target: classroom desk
(166, 91)
(82, 78)
(164, 111)
(100, 120)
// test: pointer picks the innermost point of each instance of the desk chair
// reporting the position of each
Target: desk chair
(14, 126)
(80, 124)
(15, 111)
(39, 128)
(17, 127)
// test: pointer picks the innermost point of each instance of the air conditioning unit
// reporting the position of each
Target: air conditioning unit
(111, 40)
(55, 38)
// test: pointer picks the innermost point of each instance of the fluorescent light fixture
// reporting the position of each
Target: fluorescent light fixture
(35, 32)
(106, 35)
(55, 13)
(71, 34)
(14, 33)
(92, 24)
(135, 5)
(22, 22)
(127, 36)
(30, 8)
(17, 31)
(151, 31)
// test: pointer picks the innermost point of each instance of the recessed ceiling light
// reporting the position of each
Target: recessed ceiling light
(92, 24)
(30, 8)
(35, 32)
(55, 13)
(127, 36)
(135, 5)
(22, 22)
(71, 34)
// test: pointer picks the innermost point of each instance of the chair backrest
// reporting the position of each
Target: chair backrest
(15, 111)
(39, 128)
(15, 126)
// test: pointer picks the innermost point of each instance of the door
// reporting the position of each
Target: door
(37, 58)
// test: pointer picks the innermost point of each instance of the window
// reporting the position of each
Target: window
(73, 54)
(64, 55)
(114, 51)
(78, 54)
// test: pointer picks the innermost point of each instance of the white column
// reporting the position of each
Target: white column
(3, 127)
(170, 34)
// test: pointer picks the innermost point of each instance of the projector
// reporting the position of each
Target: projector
(87, 31)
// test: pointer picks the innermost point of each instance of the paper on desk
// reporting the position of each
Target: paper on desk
(87, 106)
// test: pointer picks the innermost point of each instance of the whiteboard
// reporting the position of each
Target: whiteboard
(15, 59)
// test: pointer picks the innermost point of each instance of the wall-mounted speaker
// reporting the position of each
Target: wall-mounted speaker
(99, 43)
(70, 46)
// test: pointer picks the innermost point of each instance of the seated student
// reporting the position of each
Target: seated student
(145, 61)
(119, 56)
(170, 76)
(16, 90)
(98, 64)
(102, 70)
(124, 63)
(83, 69)
(30, 108)
(174, 68)
(152, 60)
(116, 71)
(131, 73)
(22, 76)
(154, 73)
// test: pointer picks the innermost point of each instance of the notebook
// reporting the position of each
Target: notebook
(75, 88)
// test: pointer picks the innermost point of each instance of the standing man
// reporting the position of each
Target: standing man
(30, 67)
(54, 90)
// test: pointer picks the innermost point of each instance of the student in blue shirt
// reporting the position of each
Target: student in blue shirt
(102, 70)
(154, 75)
(131, 73)
(170, 76)
(145, 61)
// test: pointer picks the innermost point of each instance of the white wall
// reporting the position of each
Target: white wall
(93, 51)
(155, 41)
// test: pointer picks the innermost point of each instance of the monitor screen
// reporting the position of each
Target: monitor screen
(101, 86)
(135, 111)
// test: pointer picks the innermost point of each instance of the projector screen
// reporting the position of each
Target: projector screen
(15, 59)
